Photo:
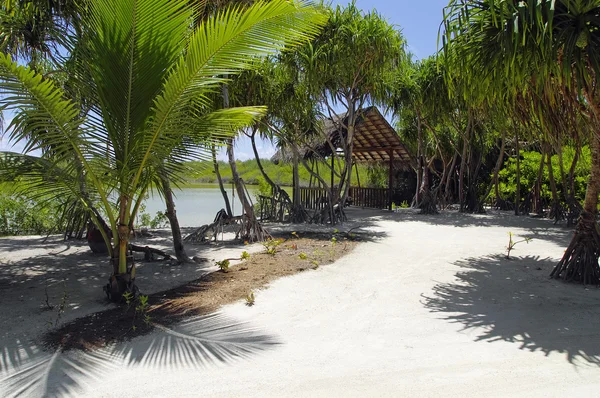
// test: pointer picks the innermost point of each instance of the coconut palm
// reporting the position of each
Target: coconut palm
(150, 79)
(504, 47)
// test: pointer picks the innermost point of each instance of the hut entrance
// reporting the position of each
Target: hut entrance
(374, 142)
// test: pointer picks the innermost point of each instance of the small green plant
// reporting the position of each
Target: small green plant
(512, 244)
(295, 235)
(315, 264)
(60, 308)
(332, 247)
(245, 256)
(271, 246)
(404, 205)
(302, 256)
(140, 309)
(250, 299)
(223, 265)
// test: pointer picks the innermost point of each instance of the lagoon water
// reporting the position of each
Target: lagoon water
(197, 206)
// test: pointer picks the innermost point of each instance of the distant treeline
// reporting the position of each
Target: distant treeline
(203, 172)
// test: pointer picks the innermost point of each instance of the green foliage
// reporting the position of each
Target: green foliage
(302, 256)
(144, 219)
(529, 165)
(245, 256)
(223, 265)
(22, 216)
(271, 246)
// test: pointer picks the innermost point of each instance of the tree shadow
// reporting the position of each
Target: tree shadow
(28, 370)
(515, 301)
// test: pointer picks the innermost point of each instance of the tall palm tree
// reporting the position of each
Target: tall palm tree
(503, 47)
(150, 78)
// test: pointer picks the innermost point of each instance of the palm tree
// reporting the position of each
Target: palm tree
(503, 47)
(151, 75)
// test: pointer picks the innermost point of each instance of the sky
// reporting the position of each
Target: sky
(418, 20)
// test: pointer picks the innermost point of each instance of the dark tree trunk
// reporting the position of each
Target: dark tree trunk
(537, 200)
(555, 212)
(220, 180)
(518, 179)
(171, 214)
(279, 195)
(463, 167)
(299, 214)
(252, 229)
(428, 205)
(494, 182)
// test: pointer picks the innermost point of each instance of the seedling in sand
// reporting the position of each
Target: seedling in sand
(223, 265)
(512, 244)
(271, 246)
(245, 256)
(250, 299)
(302, 256)
(332, 247)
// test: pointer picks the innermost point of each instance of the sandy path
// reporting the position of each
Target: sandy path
(426, 309)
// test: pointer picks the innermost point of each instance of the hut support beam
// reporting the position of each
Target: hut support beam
(390, 178)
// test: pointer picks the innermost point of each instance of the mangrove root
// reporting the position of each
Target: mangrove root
(580, 261)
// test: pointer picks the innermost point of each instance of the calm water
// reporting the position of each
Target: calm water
(197, 206)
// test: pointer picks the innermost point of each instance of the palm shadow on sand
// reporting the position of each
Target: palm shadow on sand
(515, 301)
(30, 371)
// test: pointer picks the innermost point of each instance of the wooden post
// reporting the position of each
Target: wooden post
(332, 167)
(390, 178)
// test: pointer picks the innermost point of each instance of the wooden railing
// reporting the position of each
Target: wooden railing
(313, 198)
(374, 198)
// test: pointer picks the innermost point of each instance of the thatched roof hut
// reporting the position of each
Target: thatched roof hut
(375, 140)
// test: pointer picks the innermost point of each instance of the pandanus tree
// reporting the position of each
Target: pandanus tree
(36, 30)
(150, 78)
(506, 46)
(348, 66)
(421, 104)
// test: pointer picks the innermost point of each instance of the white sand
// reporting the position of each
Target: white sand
(429, 308)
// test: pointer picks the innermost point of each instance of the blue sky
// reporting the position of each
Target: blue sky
(419, 21)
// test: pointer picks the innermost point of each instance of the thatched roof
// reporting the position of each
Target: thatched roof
(374, 139)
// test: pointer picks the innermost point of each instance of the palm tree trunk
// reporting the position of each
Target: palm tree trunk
(171, 214)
